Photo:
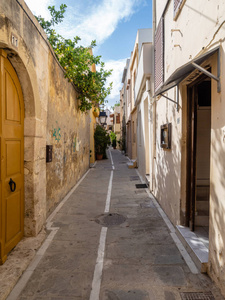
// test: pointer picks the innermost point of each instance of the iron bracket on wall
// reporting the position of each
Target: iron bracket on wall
(209, 74)
(177, 98)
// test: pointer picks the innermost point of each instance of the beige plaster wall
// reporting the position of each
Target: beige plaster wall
(199, 28)
(217, 185)
(168, 162)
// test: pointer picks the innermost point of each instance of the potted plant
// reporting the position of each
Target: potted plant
(102, 140)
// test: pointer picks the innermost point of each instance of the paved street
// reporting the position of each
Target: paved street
(87, 256)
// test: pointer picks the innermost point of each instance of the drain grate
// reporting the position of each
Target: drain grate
(141, 186)
(110, 219)
(197, 296)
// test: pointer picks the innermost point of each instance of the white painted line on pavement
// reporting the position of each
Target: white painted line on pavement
(96, 283)
(18, 288)
(142, 181)
(111, 160)
(48, 221)
(178, 243)
(97, 278)
(108, 198)
(185, 254)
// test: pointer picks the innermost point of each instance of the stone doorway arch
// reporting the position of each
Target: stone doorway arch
(34, 201)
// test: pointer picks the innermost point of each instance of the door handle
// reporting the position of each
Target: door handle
(12, 185)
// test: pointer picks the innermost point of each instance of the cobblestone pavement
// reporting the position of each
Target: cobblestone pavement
(109, 242)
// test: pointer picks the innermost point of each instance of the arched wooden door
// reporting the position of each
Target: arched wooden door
(12, 157)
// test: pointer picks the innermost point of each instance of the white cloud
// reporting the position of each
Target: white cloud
(99, 22)
(96, 22)
(40, 7)
(115, 78)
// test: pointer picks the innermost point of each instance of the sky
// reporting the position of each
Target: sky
(112, 23)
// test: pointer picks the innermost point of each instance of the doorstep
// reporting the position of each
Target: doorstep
(196, 249)
(147, 179)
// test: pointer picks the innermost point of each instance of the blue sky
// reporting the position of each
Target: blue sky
(112, 23)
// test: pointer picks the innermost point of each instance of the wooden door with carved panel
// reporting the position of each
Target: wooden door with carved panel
(12, 153)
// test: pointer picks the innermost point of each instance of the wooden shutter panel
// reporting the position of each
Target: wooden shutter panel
(118, 119)
(159, 55)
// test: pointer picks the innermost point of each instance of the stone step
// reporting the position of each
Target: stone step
(132, 164)
(147, 178)
(196, 249)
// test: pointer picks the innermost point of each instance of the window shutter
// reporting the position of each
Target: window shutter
(176, 6)
(159, 55)
(118, 119)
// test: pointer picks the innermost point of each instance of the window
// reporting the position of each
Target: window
(177, 5)
(118, 119)
(159, 55)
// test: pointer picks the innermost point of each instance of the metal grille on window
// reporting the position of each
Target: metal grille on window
(159, 55)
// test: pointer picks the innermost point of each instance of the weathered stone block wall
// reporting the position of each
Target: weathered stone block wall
(51, 115)
(68, 132)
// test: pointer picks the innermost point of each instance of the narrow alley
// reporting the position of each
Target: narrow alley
(110, 240)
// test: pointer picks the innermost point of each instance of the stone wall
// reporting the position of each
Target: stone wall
(51, 112)
(68, 132)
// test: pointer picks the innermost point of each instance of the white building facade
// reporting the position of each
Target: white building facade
(189, 121)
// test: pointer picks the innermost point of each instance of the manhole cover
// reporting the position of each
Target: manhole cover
(141, 186)
(197, 296)
(110, 219)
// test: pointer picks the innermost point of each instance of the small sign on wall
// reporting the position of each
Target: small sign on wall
(14, 40)
(48, 153)
(166, 136)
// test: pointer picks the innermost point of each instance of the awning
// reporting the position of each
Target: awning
(182, 72)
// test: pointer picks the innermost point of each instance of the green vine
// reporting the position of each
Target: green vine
(77, 61)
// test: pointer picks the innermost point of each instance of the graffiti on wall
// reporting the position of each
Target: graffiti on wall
(56, 132)
(58, 163)
(74, 144)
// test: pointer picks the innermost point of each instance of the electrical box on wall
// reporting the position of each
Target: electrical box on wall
(166, 136)
(48, 153)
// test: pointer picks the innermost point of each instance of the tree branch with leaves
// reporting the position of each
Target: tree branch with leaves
(77, 61)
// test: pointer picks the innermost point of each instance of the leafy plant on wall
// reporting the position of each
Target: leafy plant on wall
(102, 140)
(76, 61)
(113, 139)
